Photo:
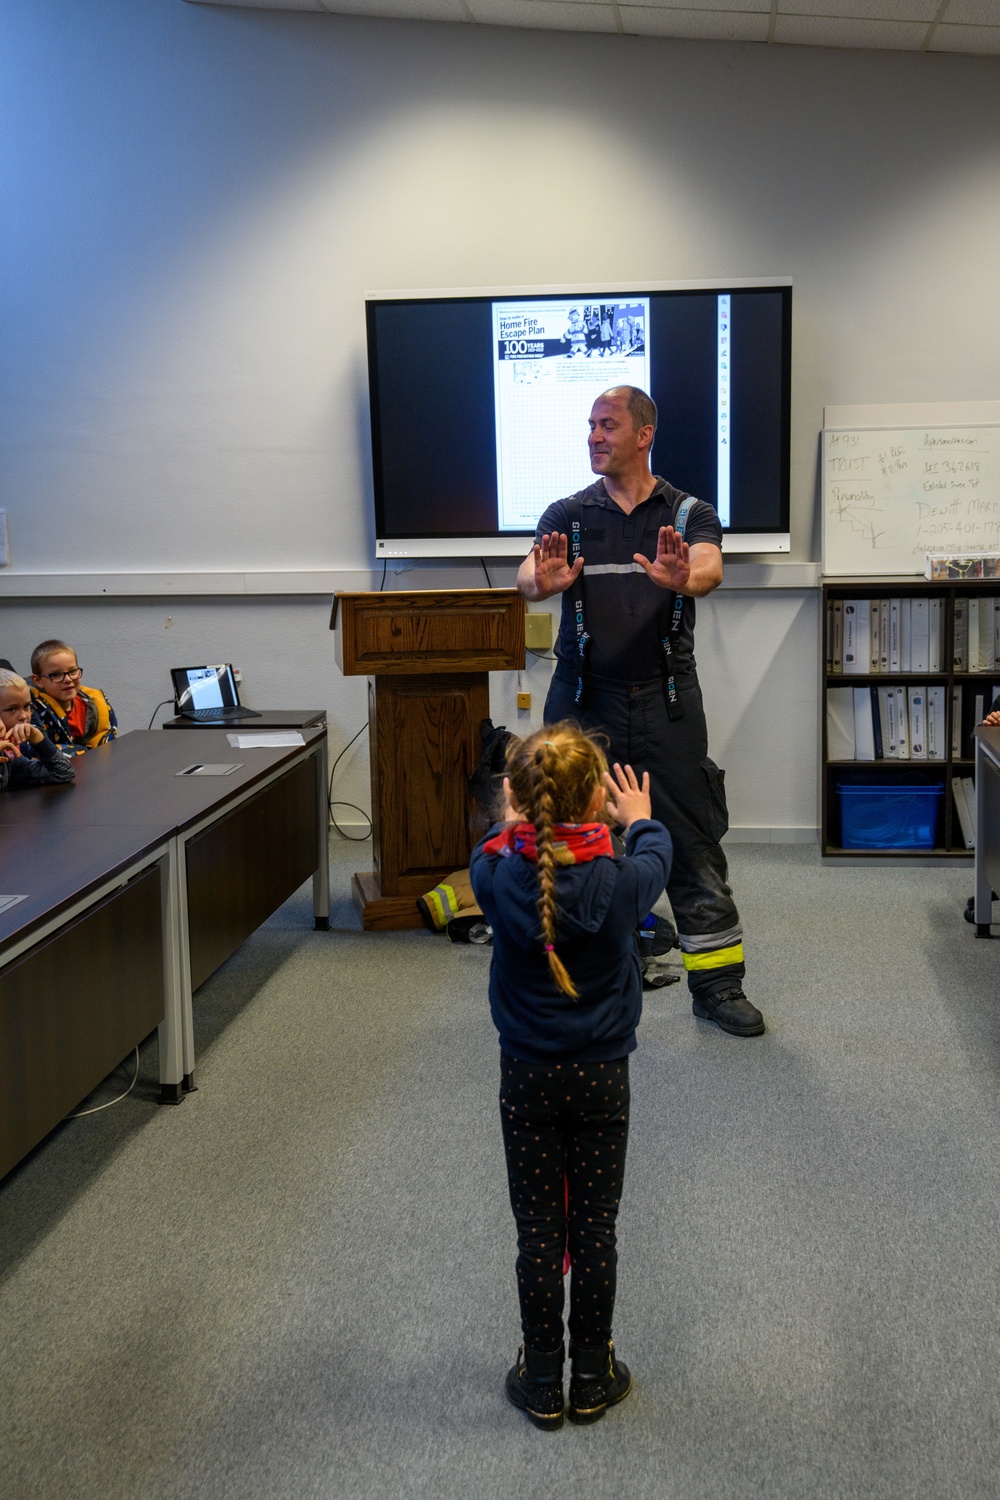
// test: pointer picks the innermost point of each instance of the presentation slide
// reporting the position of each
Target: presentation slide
(204, 690)
(551, 360)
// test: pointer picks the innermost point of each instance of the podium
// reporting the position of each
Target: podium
(428, 656)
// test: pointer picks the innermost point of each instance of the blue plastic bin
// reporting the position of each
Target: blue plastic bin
(881, 815)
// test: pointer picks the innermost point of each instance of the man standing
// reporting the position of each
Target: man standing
(625, 664)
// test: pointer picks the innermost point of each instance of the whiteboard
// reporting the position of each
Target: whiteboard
(890, 495)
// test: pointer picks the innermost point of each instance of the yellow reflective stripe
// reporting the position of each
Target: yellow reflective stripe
(716, 960)
(443, 904)
(433, 902)
(449, 899)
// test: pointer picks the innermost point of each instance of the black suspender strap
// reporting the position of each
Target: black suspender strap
(675, 709)
(575, 528)
(575, 516)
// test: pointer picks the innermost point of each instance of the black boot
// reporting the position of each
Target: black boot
(730, 1010)
(535, 1385)
(599, 1380)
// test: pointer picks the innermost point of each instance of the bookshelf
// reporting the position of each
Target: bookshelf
(952, 600)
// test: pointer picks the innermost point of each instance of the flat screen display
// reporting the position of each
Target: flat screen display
(479, 407)
(204, 687)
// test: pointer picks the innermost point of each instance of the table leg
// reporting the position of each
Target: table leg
(184, 954)
(985, 834)
(321, 880)
(176, 982)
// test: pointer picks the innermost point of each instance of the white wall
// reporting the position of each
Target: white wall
(201, 197)
(762, 704)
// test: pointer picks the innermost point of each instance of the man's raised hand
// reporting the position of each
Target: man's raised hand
(671, 568)
(553, 574)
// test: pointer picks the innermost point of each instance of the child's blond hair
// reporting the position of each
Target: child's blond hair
(10, 679)
(553, 776)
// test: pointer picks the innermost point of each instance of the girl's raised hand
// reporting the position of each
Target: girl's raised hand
(628, 800)
(508, 812)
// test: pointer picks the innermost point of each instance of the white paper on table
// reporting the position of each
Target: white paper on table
(274, 739)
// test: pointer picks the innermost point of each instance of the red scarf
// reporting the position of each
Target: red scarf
(574, 843)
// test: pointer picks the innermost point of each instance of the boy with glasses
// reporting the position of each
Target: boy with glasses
(68, 713)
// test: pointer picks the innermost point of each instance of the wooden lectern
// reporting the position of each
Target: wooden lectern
(427, 656)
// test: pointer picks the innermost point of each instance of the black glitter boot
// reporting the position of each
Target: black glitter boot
(535, 1385)
(599, 1380)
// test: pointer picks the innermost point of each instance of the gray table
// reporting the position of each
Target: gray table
(268, 718)
(227, 851)
(83, 968)
(987, 742)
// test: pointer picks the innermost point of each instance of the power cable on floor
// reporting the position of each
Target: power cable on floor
(79, 1113)
(332, 802)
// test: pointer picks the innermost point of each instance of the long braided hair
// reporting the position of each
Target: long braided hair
(553, 777)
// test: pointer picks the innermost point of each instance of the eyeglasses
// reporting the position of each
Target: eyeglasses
(73, 675)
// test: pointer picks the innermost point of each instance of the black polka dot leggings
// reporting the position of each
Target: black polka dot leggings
(565, 1124)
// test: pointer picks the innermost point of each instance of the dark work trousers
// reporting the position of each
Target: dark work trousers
(565, 1123)
(688, 797)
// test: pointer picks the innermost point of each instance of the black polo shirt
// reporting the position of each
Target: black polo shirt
(626, 613)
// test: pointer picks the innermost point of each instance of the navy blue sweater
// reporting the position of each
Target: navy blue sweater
(599, 906)
(37, 765)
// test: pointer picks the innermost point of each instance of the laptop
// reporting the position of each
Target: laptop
(209, 695)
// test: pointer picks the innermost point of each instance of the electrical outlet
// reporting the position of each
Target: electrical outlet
(538, 630)
(524, 700)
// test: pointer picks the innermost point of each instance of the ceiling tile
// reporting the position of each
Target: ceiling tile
(699, 5)
(401, 10)
(264, 4)
(863, 10)
(697, 25)
(816, 31)
(969, 26)
(966, 39)
(555, 15)
(972, 13)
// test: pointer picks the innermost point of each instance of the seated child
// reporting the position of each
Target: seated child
(27, 757)
(68, 713)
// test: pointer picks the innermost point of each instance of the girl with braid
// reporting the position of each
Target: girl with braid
(566, 994)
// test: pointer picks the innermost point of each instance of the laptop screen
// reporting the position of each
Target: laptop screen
(205, 687)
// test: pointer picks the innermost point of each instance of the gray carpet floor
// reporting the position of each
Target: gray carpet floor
(300, 1283)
